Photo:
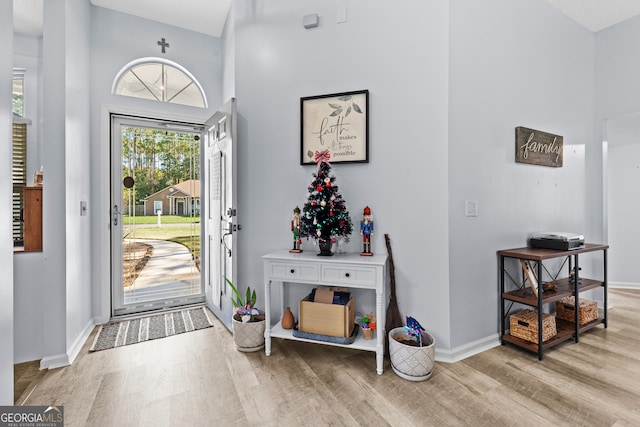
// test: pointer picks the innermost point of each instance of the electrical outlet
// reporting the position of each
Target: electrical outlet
(471, 208)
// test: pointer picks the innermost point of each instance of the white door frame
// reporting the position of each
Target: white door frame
(101, 200)
(218, 212)
(118, 305)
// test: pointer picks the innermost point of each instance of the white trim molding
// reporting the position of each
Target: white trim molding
(467, 350)
(623, 285)
(61, 360)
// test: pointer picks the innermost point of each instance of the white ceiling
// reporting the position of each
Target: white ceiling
(202, 16)
(596, 15)
(209, 16)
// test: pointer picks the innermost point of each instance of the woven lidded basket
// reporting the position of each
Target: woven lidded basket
(524, 325)
(566, 310)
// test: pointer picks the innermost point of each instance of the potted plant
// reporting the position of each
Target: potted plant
(412, 351)
(248, 321)
(368, 326)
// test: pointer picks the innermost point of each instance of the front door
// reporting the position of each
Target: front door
(155, 253)
(220, 209)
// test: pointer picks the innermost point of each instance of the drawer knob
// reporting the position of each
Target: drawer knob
(347, 275)
(292, 271)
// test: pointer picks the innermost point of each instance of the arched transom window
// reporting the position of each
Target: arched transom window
(160, 80)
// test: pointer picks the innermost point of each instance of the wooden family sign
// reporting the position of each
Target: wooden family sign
(538, 148)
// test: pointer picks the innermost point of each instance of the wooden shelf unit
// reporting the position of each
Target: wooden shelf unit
(32, 219)
(565, 287)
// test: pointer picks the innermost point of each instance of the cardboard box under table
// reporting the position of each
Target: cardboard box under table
(327, 318)
(524, 325)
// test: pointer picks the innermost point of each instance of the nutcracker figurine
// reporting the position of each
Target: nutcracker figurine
(295, 229)
(366, 229)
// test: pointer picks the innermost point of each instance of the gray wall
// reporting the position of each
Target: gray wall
(54, 315)
(622, 171)
(67, 317)
(617, 108)
(116, 40)
(28, 55)
(505, 73)
(6, 247)
(28, 279)
(403, 62)
(449, 82)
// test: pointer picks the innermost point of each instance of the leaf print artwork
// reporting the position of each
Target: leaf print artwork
(337, 123)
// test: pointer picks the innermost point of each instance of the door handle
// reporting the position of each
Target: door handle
(116, 212)
(233, 227)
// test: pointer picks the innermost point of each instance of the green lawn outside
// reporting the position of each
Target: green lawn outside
(187, 235)
(164, 219)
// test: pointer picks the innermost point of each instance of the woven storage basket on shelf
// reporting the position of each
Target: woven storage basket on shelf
(524, 325)
(566, 310)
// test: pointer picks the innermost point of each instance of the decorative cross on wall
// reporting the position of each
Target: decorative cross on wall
(164, 44)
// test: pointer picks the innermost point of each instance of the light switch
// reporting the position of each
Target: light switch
(83, 208)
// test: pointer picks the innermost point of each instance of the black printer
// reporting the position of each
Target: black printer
(556, 240)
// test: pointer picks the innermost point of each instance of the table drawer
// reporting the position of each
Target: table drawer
(290, 271)
(350, 276)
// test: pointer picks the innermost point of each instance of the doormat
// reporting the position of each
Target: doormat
(124, 332)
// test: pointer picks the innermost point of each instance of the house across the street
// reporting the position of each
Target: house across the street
(181, 199)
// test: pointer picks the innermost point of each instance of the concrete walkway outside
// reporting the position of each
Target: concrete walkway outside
(169, 273)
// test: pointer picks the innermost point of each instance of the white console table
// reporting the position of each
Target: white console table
(349, 270)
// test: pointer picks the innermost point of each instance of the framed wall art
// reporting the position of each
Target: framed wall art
(539, 148)
(337, 122)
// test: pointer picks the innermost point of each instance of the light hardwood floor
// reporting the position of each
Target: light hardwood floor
(199, 379)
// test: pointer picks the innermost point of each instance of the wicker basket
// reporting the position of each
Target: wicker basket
(566, 310)
(524, 325)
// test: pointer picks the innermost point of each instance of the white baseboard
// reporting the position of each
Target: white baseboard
(53, 362)
(459, 353)
(61, 360)
(101, 320)
(484, 344)
(77, 344)
(623, 285)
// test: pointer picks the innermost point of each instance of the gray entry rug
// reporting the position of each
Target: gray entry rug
(124, 332)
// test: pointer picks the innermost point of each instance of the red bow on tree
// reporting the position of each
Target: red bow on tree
(322, 157)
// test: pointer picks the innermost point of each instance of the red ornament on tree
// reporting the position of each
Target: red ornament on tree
(319, 188)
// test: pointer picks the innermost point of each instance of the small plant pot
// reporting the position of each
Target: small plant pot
(248, 336)
(411, 362)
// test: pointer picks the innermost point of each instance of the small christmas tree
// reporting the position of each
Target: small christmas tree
(325, 216)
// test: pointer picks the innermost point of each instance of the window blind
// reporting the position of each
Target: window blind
(19, 175)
